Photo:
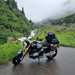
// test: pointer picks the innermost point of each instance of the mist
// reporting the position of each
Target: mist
(37, 10)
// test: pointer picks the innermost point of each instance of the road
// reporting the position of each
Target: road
(63, 64)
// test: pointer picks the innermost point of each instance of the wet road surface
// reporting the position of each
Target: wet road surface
(63, 64)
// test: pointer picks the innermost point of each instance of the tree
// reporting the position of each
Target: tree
(1, 1)
(23, 11)
(12, 3)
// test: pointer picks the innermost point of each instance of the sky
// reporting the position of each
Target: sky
(38, 10)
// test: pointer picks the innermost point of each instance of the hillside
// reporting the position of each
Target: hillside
(12, 20)
(68, 19)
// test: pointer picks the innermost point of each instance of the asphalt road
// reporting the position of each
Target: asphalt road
(63, 64)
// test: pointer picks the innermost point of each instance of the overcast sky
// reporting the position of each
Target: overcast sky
(37, 10)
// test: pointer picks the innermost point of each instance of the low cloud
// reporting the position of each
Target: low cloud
(37, 10)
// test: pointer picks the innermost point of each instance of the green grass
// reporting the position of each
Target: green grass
(67, 38)
(8, 51)
(66, 35)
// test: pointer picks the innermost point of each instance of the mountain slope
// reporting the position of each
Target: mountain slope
(63, 20)
(12, 20)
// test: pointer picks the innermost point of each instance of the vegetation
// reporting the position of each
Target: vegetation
(64, 28)
(12, 20)
(66, 35)
(13, 23)
(8, 51)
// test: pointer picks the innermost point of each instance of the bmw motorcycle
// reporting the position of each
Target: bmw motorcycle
(37, 50)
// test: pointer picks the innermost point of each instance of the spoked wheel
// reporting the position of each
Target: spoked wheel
(15, 62)
(53, 53)
(17, 59)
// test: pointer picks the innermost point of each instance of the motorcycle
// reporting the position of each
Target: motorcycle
(36, 50)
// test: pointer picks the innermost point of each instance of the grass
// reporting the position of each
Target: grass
(66, 35)
(8, 51)
(67, 38)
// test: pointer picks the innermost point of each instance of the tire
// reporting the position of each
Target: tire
(17, 59)
(15, 62)
(54, 55)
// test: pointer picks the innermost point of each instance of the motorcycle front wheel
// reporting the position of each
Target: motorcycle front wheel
(17, 59)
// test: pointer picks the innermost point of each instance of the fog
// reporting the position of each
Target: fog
(37, 10)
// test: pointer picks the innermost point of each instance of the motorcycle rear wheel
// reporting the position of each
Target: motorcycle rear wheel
(54, 55)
